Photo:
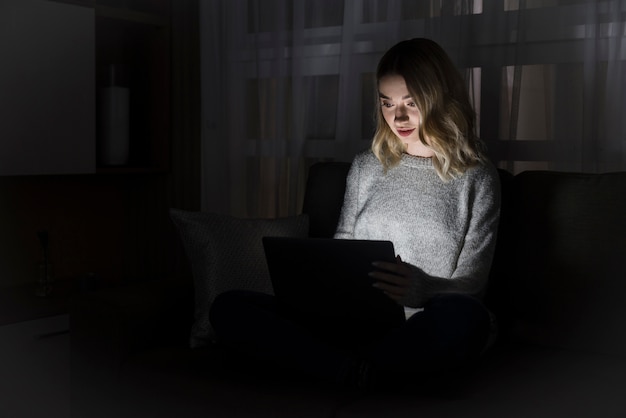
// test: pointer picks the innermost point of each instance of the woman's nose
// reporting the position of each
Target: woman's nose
(401, 113)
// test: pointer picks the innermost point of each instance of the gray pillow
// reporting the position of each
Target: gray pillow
(227, 253)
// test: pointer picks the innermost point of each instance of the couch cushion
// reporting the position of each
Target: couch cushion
(564, 283)
(227, 253)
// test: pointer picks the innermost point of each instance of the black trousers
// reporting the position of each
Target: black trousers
(450, 332)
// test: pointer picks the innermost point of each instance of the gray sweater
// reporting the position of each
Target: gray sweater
(445, 230)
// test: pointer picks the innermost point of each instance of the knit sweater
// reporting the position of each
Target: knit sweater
(446, 231)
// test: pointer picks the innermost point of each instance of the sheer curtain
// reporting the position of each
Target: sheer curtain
(286, 83)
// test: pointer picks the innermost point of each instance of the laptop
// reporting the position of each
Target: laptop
(326, 281)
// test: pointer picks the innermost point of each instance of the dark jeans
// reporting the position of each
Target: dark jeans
(451, 332)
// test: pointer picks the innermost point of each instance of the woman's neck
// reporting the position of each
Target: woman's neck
(417, 149)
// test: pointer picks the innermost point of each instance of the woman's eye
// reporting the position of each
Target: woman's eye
(411, 104)
(386, 104)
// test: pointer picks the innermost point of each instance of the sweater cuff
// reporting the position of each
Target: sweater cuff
(423, 287)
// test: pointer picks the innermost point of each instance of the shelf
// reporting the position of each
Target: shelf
(134, 38)
(130, 170)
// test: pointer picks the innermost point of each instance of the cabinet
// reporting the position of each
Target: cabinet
(56, 59)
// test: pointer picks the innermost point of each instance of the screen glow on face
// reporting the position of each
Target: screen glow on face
(401, 113)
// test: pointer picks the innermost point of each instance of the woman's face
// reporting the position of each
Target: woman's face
(401, 113)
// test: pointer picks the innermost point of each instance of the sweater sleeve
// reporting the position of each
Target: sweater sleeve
(474, 261)
(480, 239)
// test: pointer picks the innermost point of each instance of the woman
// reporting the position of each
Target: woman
(426, 186)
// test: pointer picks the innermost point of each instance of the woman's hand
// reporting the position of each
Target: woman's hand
(395, 279)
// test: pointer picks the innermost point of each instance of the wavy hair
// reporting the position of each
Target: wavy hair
(447, 117)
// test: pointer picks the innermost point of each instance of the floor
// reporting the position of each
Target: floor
(35, 368)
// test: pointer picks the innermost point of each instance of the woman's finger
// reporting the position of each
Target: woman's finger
(399, 268)
(393, 279)
(394, 292)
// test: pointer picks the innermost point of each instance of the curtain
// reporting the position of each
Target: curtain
(286, 83)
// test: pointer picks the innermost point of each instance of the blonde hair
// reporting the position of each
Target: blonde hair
(447, 117)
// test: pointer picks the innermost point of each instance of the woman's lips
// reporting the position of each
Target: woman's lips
(405, 132)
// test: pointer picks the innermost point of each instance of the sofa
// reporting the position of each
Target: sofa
(557, 287)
